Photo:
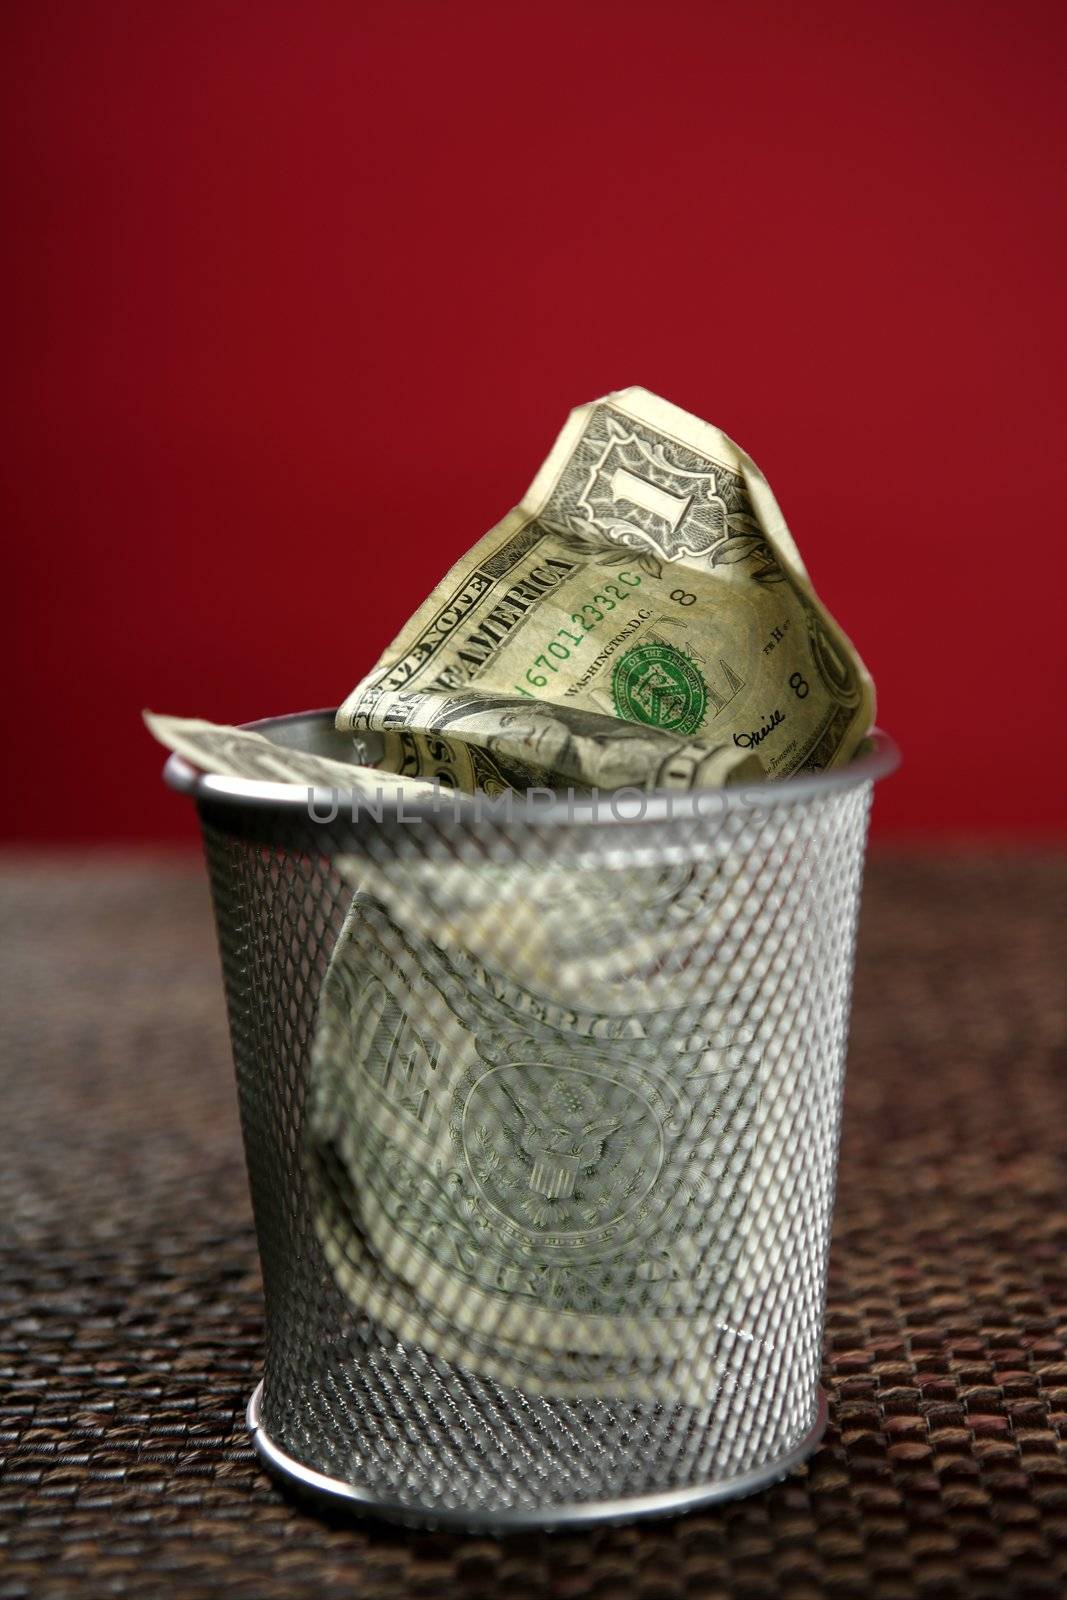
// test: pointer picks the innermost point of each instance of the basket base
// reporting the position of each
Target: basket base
(338, 1494)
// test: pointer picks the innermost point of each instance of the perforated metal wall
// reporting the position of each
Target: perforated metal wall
(541, 1125)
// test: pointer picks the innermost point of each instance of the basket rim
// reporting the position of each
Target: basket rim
(657, 805)
(345, 1495)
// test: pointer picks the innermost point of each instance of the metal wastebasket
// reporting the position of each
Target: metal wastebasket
(540, 1111)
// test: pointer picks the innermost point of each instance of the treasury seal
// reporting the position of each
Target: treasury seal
(659, 685)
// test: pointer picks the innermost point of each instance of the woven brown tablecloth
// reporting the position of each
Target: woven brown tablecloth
(130, 1315)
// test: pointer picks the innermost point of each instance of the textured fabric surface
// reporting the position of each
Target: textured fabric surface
(130, 1314)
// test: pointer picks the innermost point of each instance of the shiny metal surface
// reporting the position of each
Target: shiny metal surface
(357, 1497)
(748, 1017)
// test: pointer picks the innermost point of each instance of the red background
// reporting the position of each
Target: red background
(300, 295)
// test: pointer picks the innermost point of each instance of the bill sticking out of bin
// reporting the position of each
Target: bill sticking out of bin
(541, 1105)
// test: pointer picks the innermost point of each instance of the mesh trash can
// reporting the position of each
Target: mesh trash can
(540, 1111)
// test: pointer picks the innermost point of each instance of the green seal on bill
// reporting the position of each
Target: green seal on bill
(658, 685)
